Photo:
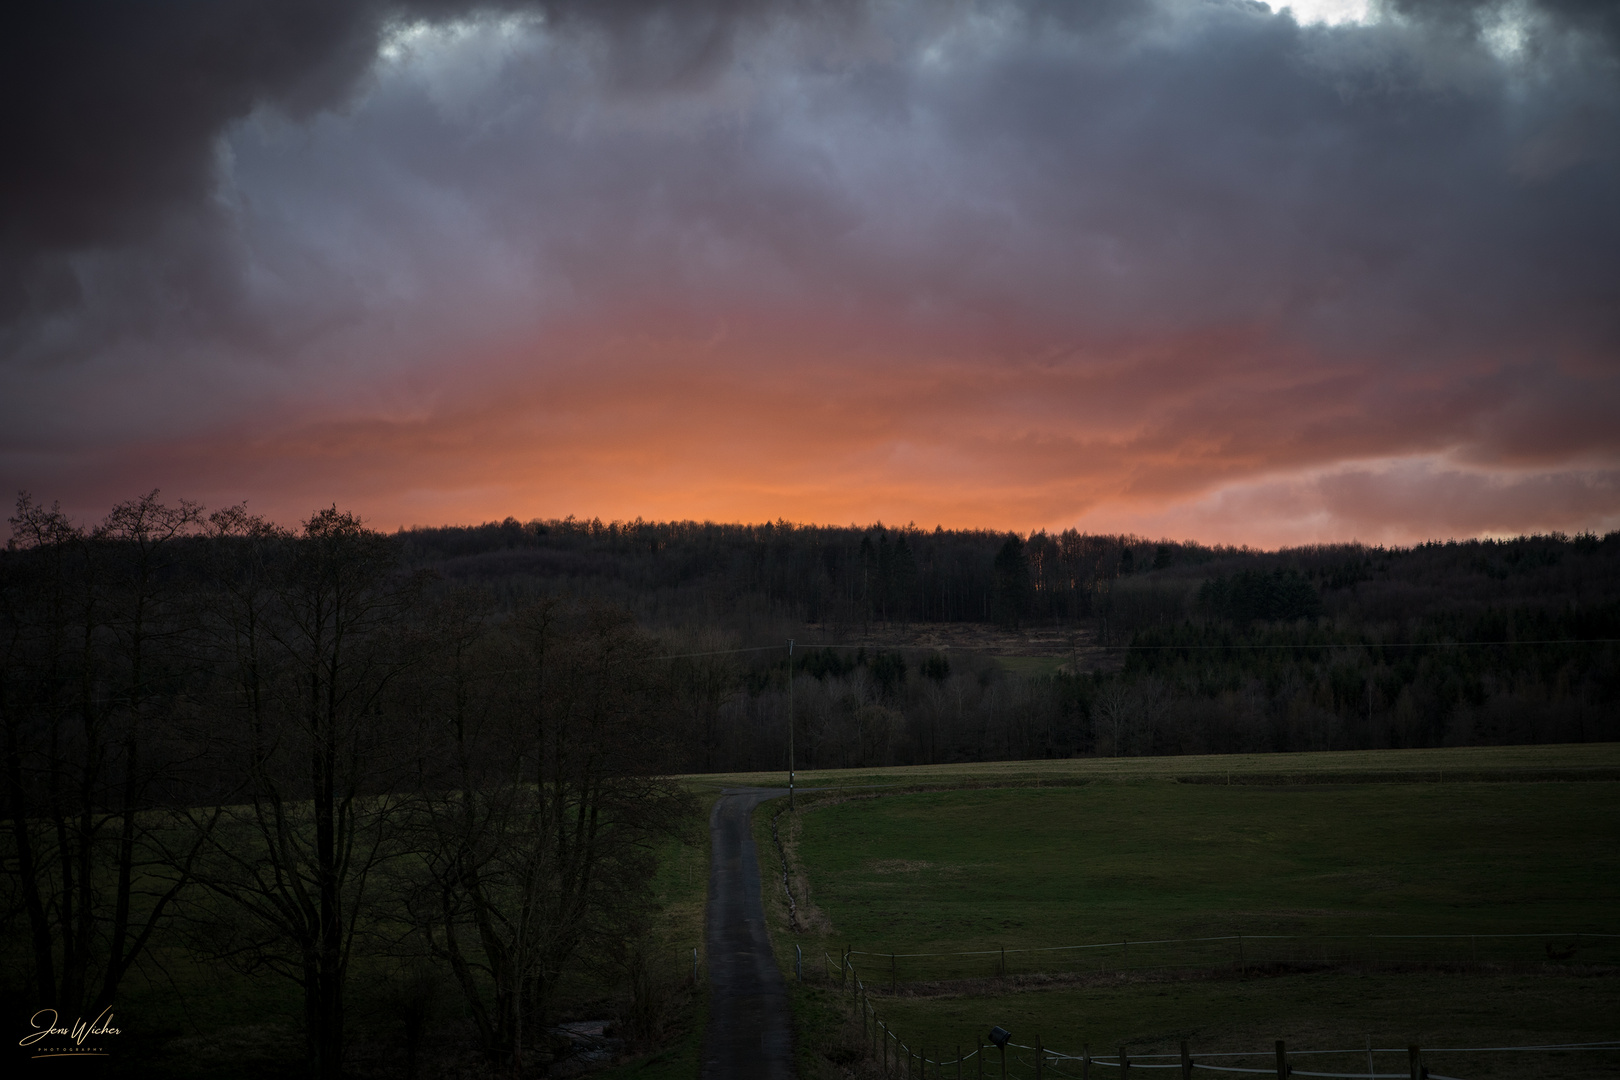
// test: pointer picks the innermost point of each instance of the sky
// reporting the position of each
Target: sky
(1196, 269)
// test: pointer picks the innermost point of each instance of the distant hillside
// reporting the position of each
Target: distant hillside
(855, 575)
(1147, 647)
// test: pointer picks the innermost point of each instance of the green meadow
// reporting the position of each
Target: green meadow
(1319, 862)
(1029, 867)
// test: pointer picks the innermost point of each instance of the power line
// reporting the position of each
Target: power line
(1373, 644)
(880, 647)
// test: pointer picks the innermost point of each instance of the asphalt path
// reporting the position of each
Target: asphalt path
(750, 1032)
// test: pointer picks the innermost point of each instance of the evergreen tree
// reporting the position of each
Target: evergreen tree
(1013, 588)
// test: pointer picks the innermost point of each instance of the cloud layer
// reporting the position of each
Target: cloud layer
(1190, 267)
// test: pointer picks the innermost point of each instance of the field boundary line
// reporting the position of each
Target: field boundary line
(878, 1038)
(1235, 937)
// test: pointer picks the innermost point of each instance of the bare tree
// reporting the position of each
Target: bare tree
(1116, 710)
(91, 676)
(542, 846)
(312, 631)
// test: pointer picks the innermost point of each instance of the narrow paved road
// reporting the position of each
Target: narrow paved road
(750, 1033)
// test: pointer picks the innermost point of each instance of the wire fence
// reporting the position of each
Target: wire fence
(1244, 951)
(1004, 1058)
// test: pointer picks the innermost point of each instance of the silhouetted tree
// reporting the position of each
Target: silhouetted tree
(902, 578)
(312, 633)
(93, 670)
(1012, 581)
(542, 844)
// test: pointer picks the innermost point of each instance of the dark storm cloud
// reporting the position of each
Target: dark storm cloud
(1192, 243)
(1370, 156)
(109, 110)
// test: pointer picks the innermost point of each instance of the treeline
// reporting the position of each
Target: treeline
(1323, 647)
(688, 573)
(1500, 676)
(817, 574)
(1197, 687)
(286, 752)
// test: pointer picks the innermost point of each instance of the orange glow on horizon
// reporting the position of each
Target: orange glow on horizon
(1220, 437)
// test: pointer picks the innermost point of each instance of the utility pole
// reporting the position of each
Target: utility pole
(790, 723)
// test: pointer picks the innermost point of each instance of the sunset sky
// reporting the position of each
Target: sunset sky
(1187, 268)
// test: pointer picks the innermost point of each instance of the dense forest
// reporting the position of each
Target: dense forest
(1175, 647)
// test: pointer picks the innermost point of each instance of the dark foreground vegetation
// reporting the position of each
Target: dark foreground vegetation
(435, 765)
(287, 754)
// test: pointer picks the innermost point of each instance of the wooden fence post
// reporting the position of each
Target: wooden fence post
(1085, 1061)
(1414, 1060)
(1040, 1060)
(1186, 1062)
(1282, 1061)
(978, 1055)
(894, 975)
(958, 1061)
(1124, 1064)
(1004, 961)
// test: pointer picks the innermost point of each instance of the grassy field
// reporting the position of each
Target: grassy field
(1028, 867)
(1025, 854)
(938, 858)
